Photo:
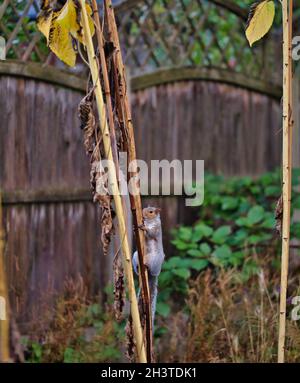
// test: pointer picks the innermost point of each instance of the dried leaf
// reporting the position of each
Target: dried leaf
(260, 20)
(98, 176)
(119, 288)
(99, 183)
(130, 346)
(88, 122)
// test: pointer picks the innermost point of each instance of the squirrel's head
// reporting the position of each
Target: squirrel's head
(150, 213)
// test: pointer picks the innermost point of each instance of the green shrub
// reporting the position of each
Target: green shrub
(236, 224)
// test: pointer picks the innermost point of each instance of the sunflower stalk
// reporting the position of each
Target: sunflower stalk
(287, 20)
(112, 176)
(135, 197)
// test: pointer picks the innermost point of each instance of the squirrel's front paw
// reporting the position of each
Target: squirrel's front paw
(142, 227)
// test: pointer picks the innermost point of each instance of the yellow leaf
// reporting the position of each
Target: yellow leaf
(60, 42)
(44, 19)
(260, 20)
(59, 27)
(67, 17)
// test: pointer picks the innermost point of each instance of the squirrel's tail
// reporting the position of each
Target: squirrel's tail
(153, 296)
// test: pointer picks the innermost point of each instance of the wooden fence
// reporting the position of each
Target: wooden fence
(51, 232)
(229, 116)
(234, 130)
(51, 224)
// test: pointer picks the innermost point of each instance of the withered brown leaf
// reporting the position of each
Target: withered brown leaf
(99, 183)
(119, 287)
(88, 122)
(98, 176)
(131, 346)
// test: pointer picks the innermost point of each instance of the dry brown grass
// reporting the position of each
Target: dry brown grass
(75, 330)
(225, 320)
(230, 321)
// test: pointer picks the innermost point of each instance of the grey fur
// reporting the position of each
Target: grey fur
(154, 254)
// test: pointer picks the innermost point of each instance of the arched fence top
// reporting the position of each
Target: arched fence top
(37, 71)
(65, 79)
(165, 76)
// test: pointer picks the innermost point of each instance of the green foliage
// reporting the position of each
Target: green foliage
(236, 225)
(220, 41)
(22, 38)
(36, 354)
(79, 333)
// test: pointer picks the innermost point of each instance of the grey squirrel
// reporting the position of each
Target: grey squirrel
(154, 252)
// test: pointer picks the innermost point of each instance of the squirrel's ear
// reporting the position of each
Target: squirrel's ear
(158, 210)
